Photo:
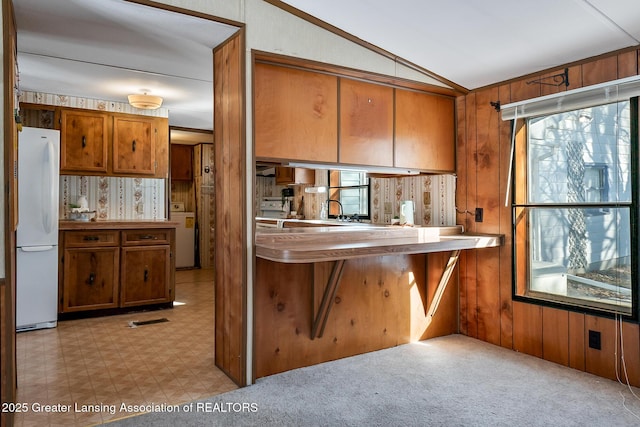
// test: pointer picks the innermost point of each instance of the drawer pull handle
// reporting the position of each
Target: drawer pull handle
(133, 145)
(91, 238)
(84, 141)
(146, 274)
(147, 237)
(92, 278)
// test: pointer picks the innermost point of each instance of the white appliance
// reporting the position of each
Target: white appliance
(37, 232)
(406, 212)
(185, 235)
(272, 207)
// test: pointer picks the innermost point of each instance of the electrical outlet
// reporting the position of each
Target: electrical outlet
(594, 340)
(140, 208)
(479, 214)
(387, 208)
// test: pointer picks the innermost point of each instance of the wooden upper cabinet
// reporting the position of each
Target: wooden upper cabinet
(295, 114)
(162, 147)
(286, 176)
(134, 150)
(425, 131)
(84, 142)
(181, 162)
(366, 123)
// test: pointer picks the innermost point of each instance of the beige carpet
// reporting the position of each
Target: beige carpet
(448, 381)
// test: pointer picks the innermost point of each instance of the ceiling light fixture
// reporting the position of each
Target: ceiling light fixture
(145, 101)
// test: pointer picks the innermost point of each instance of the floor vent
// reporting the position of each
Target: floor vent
(135, 323)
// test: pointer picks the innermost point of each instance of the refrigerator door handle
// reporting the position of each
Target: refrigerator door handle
(36, 248)
(48, 182)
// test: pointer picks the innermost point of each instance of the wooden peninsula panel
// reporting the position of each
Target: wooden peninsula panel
(381, 302)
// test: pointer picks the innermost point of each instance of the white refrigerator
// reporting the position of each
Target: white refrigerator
(37, 233)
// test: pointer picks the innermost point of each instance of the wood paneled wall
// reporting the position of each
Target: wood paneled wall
(10, 203)
(203, 189)
(487, 311)
(230, 242)
(381, 302)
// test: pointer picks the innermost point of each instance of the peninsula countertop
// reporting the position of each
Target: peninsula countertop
(318, 244)
(127, 224)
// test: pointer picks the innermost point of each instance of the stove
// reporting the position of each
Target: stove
(272, 207)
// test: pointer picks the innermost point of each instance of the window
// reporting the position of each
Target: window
(576, 208)
(351, 189)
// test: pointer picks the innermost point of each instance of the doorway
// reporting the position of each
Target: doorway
(77, 345)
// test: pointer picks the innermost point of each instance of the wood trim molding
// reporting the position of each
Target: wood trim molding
(189, 12)
(231, 224)
(8, 380)
(537, 74)
(335, 30)
(340, 71)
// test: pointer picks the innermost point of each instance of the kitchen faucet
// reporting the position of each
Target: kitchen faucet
(339, 204)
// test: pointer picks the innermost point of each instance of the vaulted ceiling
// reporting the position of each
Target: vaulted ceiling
(106, 49)
(474, 43)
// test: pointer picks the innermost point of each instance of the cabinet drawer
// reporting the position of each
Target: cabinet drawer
(146, 237)
(83, 239)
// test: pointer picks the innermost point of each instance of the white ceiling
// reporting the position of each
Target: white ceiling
(474, 43)
(107, 49)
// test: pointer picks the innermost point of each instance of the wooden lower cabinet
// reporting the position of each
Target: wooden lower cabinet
(112, 269)
(145, 275)
(90, 278)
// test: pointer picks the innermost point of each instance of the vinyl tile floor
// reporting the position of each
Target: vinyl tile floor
(87, 369)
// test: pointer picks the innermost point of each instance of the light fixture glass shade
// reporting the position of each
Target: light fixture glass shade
(145, 101)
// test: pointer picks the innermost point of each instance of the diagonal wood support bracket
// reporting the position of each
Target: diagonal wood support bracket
(330, 290)
(442, 285)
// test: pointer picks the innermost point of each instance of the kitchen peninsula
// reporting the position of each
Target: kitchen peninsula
(323, 293)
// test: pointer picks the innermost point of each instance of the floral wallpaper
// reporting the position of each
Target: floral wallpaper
(87, 103)
(115, 198)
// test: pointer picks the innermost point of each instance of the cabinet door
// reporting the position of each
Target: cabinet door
(145, 275)
(296, 114)
(134, 146)
(84, 142)
(286, 176)
(425, 136)
(181, 162)
(90, 279)
(366, 123)
(161, 131)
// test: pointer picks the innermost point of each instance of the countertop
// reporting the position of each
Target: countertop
(318, 244)
(127, 224)
(293, 222)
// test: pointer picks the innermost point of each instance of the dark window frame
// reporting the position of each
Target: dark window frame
(522, 248)
(332, 190)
